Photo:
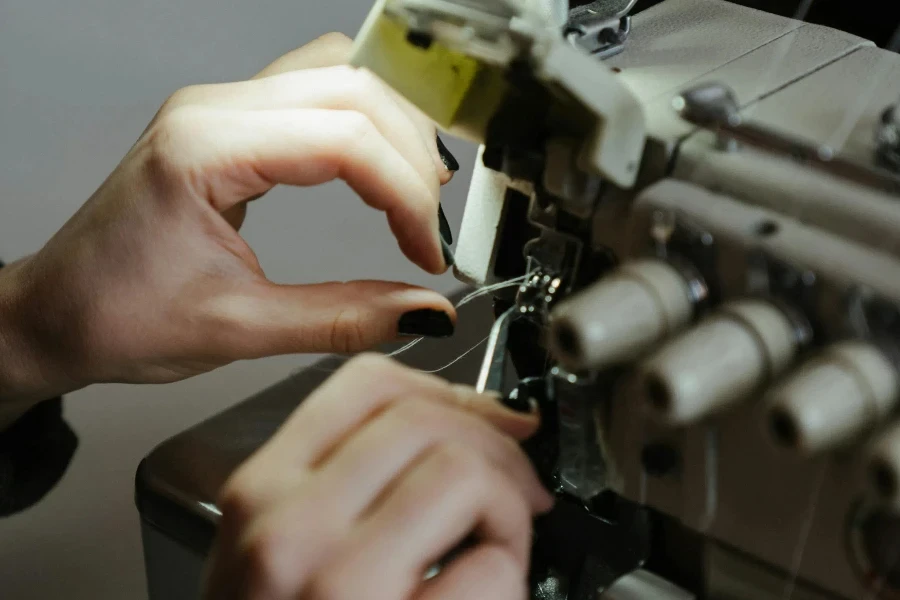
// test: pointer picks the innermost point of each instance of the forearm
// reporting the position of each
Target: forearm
(25, 376)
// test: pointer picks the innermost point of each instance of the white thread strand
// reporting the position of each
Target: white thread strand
(797, 560)
(460, 357)
(468, 298)
(404, 348)
(491, 288)
(484, 291)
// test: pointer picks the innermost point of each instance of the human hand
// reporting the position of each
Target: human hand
(151, 282)
(378, 476)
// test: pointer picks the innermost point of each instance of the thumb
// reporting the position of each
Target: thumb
(339, 317)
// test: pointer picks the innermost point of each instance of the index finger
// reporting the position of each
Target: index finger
(329, 50)
(241, 154)
(365, 387)
(334, 49)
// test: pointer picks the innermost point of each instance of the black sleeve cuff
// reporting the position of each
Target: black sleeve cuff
(35, 453)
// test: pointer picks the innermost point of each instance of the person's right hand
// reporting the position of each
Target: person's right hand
(379, 475)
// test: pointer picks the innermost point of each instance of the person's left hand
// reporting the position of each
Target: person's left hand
(377, 476)
(151, 282)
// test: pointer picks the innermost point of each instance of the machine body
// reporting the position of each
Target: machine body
(702, 200)
(715, 191)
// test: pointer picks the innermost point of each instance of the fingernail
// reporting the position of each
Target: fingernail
(446, 237)
(449, 161)
(519, 404)
(448, 254)
(446, 232)
(426, 322)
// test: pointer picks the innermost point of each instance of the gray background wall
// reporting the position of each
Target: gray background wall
(78, 83)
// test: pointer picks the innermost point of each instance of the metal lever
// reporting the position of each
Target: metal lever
(714, 107)
(493, 368)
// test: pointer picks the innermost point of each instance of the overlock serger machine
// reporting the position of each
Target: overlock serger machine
(701, 200)
(698, 200)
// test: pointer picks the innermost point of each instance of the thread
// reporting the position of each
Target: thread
(460, 357)
(797, 560)
(467, 299)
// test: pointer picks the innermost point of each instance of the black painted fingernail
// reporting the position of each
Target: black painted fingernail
(449, 161)
(446, 237)
(449, 258)
(426, 322)
(446, 232)
(521, 404)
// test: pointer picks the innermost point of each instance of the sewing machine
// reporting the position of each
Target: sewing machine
(700, 199)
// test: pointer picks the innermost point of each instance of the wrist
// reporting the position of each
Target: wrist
(26, 378)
